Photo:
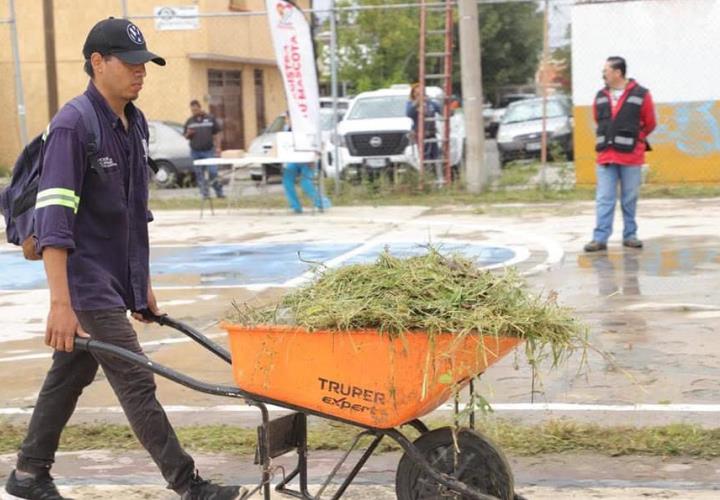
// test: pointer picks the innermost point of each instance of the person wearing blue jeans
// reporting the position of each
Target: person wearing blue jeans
(608, 178)
(625, 117)
(203, 132)
(306, 172)
(212, 170)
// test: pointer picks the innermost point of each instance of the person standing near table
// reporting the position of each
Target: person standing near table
(203, 131)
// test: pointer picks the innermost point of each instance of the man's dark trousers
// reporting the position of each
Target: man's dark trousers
(134, 387)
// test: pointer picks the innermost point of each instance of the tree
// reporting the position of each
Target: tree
(562, 56)
(379, 47)
(511, 37)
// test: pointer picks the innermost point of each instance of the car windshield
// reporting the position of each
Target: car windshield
(328, 104)
(326, 119)
(533, 110)
(278, 125)
(378, 107)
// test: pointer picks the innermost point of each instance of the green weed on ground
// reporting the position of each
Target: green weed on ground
(361, 195)
(514, 439)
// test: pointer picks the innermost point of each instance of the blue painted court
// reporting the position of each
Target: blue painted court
(247, 263)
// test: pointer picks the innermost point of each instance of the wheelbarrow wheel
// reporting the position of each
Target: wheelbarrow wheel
(480, 465)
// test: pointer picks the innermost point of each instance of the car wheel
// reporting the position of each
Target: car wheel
(166, 175)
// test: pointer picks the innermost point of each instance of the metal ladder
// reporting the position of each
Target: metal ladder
(435, 64)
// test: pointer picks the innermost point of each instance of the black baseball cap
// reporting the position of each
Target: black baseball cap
(120, 38)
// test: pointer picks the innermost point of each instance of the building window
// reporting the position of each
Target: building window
(260, 121)
(225, 102)
(233, 78)
(215, 78)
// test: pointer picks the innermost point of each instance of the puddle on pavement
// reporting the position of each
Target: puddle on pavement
(619, 270)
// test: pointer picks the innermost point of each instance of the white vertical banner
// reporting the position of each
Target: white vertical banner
(296, 60)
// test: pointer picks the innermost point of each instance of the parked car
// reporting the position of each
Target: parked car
(520, 133)
(343, 103)
(487, 114)
(263, 144)
(171, 152)
(496, 116)
(375, 134)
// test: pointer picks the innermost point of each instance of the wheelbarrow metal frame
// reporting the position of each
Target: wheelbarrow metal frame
(264, 438)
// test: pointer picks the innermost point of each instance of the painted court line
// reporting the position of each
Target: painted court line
(498, 407)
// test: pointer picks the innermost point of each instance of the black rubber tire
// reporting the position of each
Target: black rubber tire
(166, 176)
(481, 465)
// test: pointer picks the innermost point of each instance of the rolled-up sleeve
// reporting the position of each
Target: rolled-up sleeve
(58, 198)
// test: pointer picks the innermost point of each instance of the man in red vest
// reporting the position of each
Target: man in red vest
(625, 117)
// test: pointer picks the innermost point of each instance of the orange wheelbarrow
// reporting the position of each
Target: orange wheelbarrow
(376, 383)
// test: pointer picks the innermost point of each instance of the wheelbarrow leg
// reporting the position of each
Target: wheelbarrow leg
(299, 433)
(355, 470)
(349, 479)
(264, 451)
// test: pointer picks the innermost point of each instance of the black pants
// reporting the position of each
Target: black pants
(134, 387)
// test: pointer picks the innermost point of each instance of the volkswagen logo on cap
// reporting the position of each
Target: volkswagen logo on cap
(134, 34)
(376, 141)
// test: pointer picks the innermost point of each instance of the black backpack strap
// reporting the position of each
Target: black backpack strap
(92, 126)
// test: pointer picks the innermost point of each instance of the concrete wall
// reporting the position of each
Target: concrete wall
(671, 47)
(226, 43)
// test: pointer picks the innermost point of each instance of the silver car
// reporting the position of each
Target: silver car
(171, 152)
(520, 132)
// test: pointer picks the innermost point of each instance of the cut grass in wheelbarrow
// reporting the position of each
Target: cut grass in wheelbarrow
(433, 294)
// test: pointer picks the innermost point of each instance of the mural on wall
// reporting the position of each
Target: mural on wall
(692, 127)
(685, 144)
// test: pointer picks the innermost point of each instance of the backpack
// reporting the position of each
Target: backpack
(17, 201)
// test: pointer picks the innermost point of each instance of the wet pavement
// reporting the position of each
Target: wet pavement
(100, 474)
(656, 311)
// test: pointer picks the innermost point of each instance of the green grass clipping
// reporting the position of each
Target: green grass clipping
(433, 293)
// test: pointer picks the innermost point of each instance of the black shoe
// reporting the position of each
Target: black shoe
(633, 243)
(40, 487)
(595, 246)
(201, 489)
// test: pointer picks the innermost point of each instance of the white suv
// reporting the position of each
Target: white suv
(375, 135)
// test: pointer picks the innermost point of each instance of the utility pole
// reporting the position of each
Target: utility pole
(334, 90)
(50, 61)
(19, 94)
(543, 81)
(475, 167)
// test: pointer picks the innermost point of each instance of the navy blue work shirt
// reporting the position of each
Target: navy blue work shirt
(98, 213)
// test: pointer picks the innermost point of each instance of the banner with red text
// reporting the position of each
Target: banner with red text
(296, 60)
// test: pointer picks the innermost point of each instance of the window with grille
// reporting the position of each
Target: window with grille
(260, 120)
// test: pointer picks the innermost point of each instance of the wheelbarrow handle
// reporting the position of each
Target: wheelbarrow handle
(97, 346)
(184, 328)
